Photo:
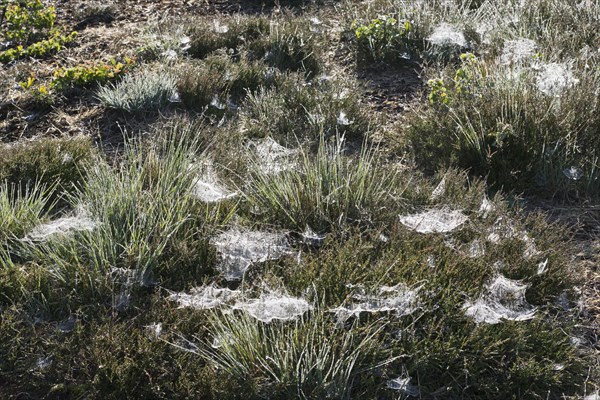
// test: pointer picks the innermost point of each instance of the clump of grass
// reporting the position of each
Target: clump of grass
(328, 190)
(164, 39)
(96, 12)
(21, 208)
(293, 359)
(288, 47)
(146, 219)
(146, 90)
(221, 143)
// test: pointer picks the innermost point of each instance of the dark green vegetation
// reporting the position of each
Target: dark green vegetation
(399, 261)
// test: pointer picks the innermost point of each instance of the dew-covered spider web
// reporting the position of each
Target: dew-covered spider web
(61, 226)
(399, 299)
(239, 249)
(271, 305)
(205, 297)
(434, 220)
(503, 299)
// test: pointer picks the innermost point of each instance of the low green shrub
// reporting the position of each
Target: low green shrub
(295, 110)
(105, 356)
(46, 161)
(441, 348)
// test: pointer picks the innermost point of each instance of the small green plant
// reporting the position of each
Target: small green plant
(84, 76)
(28, 31)
(471, 72)
(80, 76)
(40, 94)
(382, 39)
(39, 49)
(438, 92)
(27, 21)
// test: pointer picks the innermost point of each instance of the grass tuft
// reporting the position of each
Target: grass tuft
(146, 90)
(328, 190)
(22, 208)
(293, 359)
